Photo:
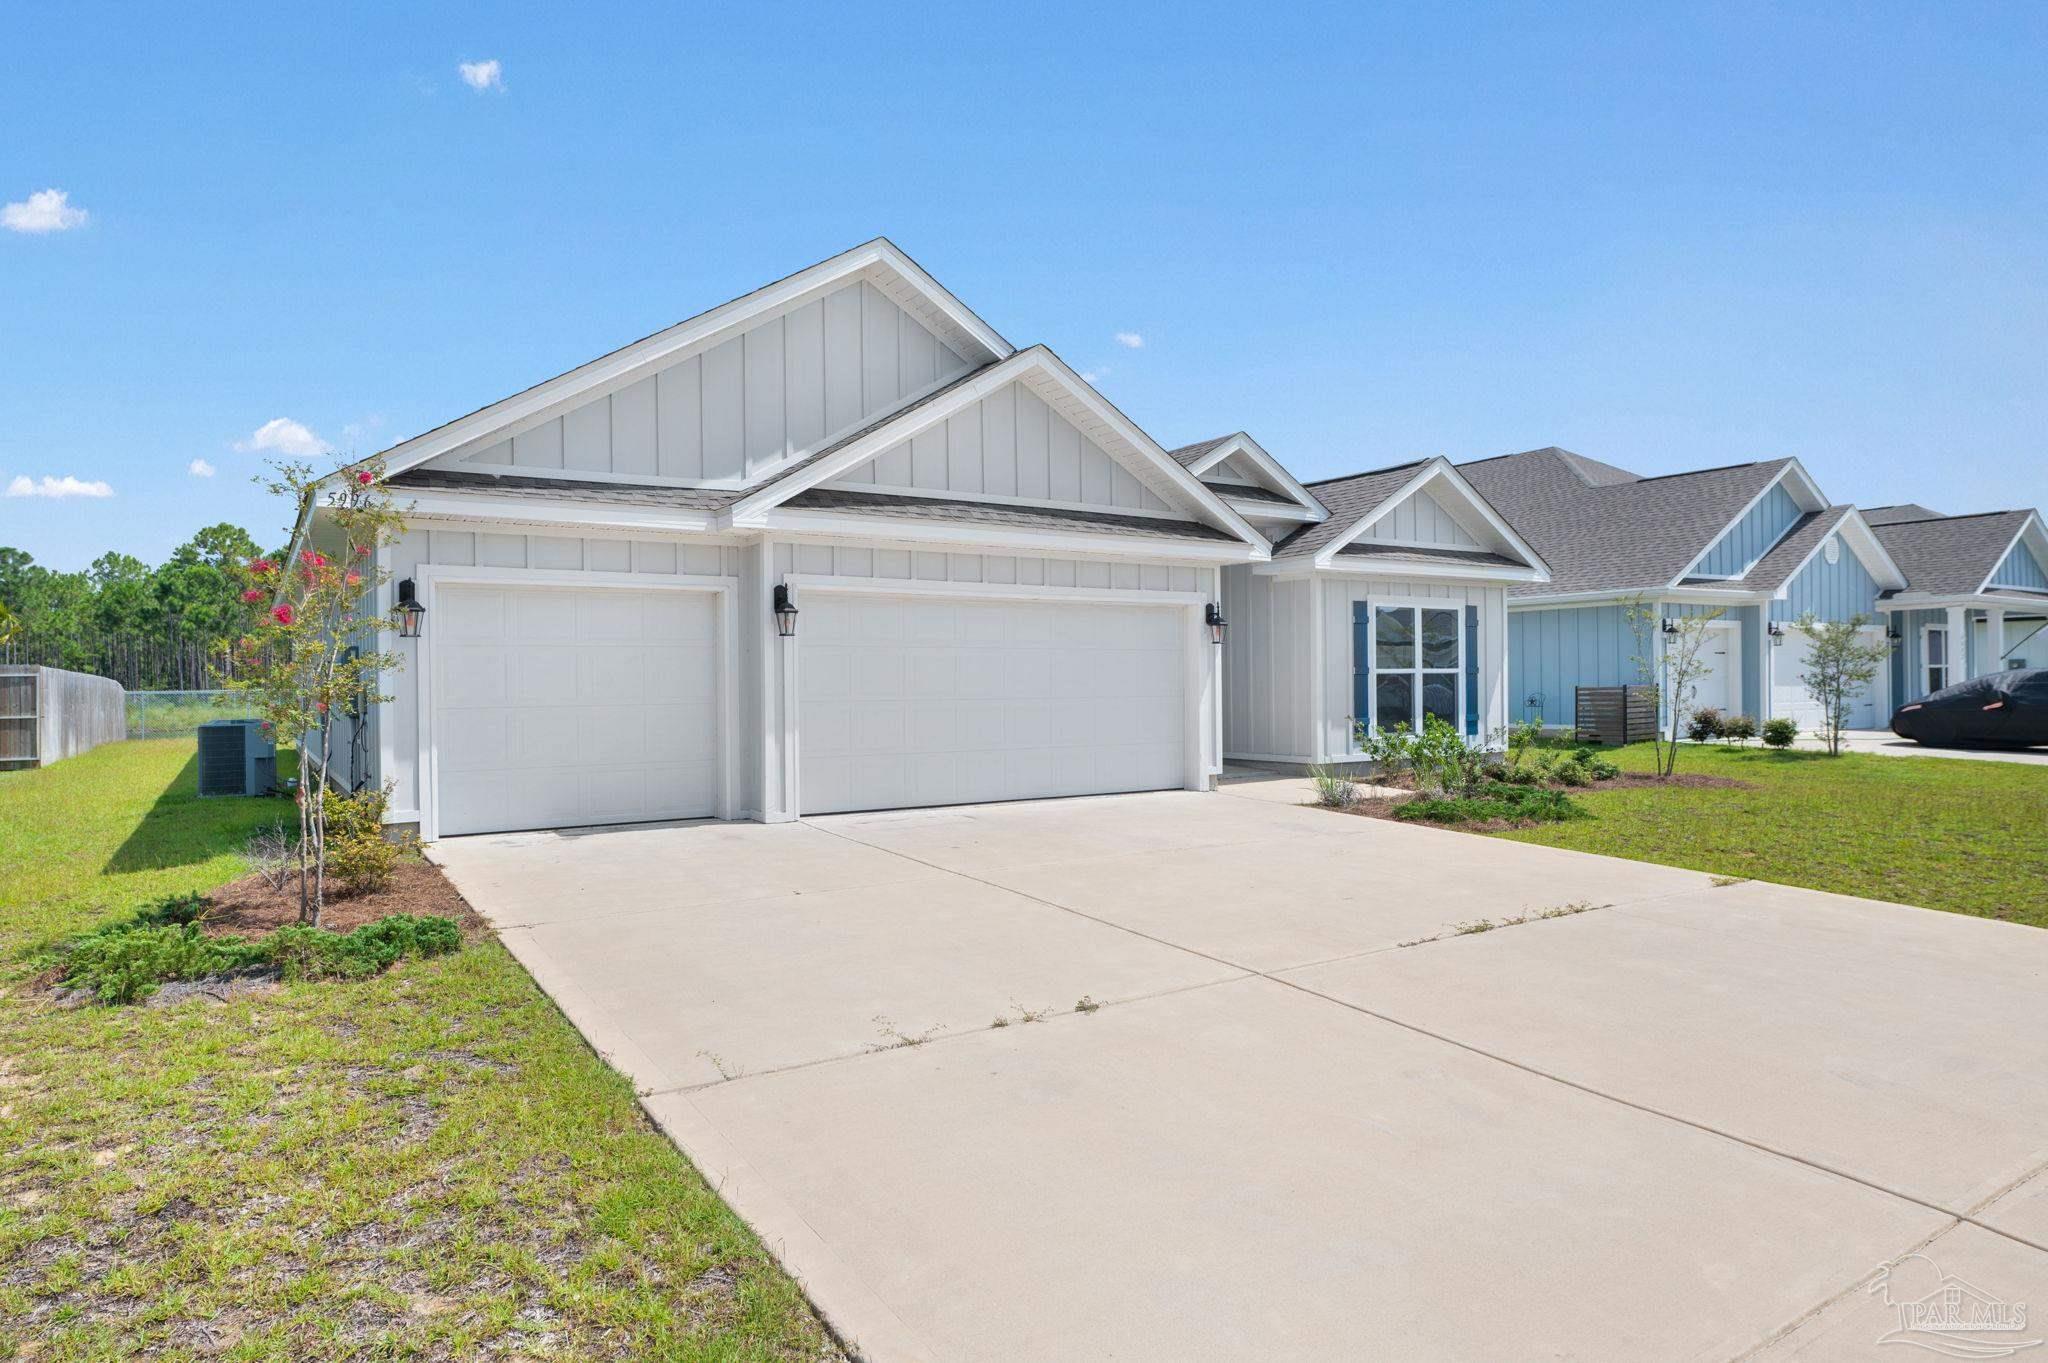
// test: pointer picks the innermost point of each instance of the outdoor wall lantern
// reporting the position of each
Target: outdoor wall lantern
(411, 614)
(1892, 635)
(785, 612)
(1777, 632)
(1670, 625)
(1214, 615)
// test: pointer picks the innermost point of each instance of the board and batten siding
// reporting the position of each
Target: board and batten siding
(1266, 667)
(1008, 444)
(1335, 599)
(425, 545)
(1840, 590)
(787, 384)
(2022, 570)
(1750, 538)
(1551, 652)
(1909, 659)
(1421, 519)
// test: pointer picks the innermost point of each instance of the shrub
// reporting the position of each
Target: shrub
(1497, 801)
(1389, 750)
(1779, 733)
(1574, 772)
(1334, 788)
(359, 857)
(303, 953)
(126, 963)
(1704, 724)
(1446, 761)
(1600, 769)
(1738, 729)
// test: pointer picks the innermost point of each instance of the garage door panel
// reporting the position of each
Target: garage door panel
(959, 701)
(571, 715)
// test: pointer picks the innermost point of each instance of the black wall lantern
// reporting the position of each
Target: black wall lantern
(1670, 625)
(1777, 633)
(785, 612)
(410, 612)
(1214, 615)
(1892, 635)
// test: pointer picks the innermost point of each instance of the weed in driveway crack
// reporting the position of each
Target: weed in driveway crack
(1532, 916)
(1085, 1005)
(893, 1038)
(1023, 1015)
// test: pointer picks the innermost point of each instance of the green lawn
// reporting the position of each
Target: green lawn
(430, 1164)
(1970, 837)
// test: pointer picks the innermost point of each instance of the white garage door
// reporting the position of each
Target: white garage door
(931, 701)
(554, 707)
(1788, 688)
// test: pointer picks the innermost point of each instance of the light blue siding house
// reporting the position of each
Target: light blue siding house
(1755, 545)
(1976, 599)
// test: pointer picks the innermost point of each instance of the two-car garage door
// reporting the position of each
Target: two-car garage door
(942, 700)
(556, 707)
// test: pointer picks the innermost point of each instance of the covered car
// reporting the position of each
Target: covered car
(2002, 710)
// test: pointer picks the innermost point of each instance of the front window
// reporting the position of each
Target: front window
(1417, 663)
(1937, 657)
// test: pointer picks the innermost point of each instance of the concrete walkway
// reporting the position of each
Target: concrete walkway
(1215, 1077)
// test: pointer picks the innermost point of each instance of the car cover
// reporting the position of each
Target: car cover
(2004, 709)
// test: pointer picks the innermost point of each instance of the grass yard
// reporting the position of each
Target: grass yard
(428, 1164)
(1969, 837)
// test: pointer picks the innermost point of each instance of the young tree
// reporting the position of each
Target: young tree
(1671, 655)
(1839, 667)
(310, 652)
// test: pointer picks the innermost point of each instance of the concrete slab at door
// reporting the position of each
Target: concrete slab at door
(1246, 1172)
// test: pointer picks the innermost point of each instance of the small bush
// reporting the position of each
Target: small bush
(1779, 733)
(1600, 769)
(1703, 724)
(127, 963)
(303, 953)
(359, 857)
(1738, 729)
(1497, 801)
(1576, 772)
(1334, 788)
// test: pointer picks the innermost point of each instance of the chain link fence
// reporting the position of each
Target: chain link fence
(178, 714)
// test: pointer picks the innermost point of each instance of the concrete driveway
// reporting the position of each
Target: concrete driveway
(1885, 743)
(1299, 1116)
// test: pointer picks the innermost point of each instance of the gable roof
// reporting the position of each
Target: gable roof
(1953, 555)
(954, 510)
(1619, 533)
(1188, 455)
(1904, 511)
(902, 279)
(1355, 501)
(1790, 553)
(1204, 456)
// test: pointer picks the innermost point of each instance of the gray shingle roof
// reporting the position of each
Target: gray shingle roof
(1348, 500)
(519, 485)
(1245, 492)
(945, 509)
(1409, 553)
(1601, 528)
(1904, 511)
(1188, 454)
(1784, 557)
(1950, 555)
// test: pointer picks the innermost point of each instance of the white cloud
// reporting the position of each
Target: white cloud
(1096, 375)
(1129, 340)
(484, 75)
(199, 468)
(46, 486)
(282, 435)
(46, 210)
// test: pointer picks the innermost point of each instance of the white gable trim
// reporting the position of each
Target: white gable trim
(1243, 444)
(1805, 492)
(895, 273)
(1437, 468)
(2030, 526)
(1041, 369)
(1857, 535)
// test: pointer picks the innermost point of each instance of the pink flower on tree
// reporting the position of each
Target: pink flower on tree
(365, 478)
(262, 565)
(313, 559)
(282, 613)
(353, 579)
(253, 594)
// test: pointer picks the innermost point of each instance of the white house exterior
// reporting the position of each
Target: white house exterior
(1001, 584)
(1384, 602)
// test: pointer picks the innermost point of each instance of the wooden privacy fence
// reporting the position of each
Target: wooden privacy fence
(47, 714)
(1613, 714)
(169, 660)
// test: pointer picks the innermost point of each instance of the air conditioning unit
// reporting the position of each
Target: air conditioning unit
(236, 758)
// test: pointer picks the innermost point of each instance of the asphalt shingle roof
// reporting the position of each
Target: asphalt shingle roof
(1409, 553)
(1904, 511)
(1950, 555)
(1245, 492)
(1188, 454)
(946, 509)
(1348, 500)
(1784, 557)
(568, 489)
(1601, 528)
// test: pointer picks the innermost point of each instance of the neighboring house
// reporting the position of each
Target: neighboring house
(1981, 579)
(1384, 602)
(996, 586)
(1758, 542)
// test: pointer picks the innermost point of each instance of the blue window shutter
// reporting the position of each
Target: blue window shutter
(1472, 671)
(1361, 663)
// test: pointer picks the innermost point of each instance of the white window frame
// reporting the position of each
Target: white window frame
(1418, 604)
(1927, 663)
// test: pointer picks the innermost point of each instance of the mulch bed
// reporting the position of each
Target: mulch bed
(1383, 807)
(249, 907)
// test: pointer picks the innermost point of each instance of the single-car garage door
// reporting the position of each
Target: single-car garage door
(934, 700)
(553, 707)
(1789, 697)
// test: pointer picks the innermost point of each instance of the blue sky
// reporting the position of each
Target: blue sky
(1666, 240)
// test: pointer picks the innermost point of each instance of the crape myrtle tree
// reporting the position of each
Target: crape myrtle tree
(1839, 667)
(1671, 654)
(310, 650)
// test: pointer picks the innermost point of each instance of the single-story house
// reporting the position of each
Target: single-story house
(1757, 542)
(1979, 579)
(834, 545)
